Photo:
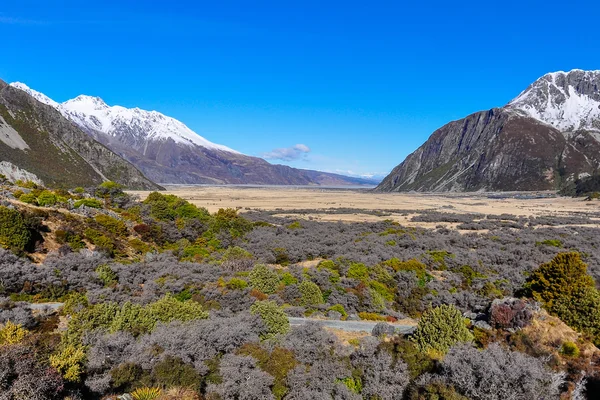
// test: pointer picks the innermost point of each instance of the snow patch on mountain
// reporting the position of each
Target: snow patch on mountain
(563, 101)
(92, 113)
(42, 98)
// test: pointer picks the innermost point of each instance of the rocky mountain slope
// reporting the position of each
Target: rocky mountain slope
(37, 142)
(167, 151)
(545, 138)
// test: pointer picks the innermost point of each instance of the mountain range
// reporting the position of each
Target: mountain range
(545, 138)
(169, 152)
(38, 143)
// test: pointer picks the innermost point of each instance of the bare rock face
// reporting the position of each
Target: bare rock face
(545, 138)
(49, 146)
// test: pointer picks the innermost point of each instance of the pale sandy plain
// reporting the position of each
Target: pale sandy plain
(356, 200)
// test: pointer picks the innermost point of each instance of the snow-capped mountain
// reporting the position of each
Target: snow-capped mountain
(544, 139)
(169, 152)
(93, 114)
(38, 143)
(569, 101)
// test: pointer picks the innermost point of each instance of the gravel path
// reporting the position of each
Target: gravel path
(349, 326)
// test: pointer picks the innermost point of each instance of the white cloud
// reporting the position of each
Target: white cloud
(293, 153)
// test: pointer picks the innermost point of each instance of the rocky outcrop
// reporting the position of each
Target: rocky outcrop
(46, 144)
(539, 141)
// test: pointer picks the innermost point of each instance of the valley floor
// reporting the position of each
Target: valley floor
(352, 205)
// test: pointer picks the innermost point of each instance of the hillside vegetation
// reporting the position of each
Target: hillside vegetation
(162, 299)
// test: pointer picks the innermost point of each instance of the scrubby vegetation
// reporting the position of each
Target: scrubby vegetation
(162, 299)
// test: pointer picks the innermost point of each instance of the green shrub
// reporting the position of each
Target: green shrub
(561, 277)
(46, 198)
(339, 308)
(382, 290)
(566, 290)
(411, 265)
(112, 225)
(550, 242)
(581, 311)
(74, 302)
(26, 184)
(139, 246)
(70, 237)
(106, 275)
(92, 203)
(236, 253)
(227, 220)
(12, 334)
(328, 264)
(441, 328)
(133, 318)
(264, 279)
(273, 316)
(110, 185)
(100, 240)
(190, 211)
(311, 293)
(168, 309)
(236, 284)
(354, 384)
(170, 207)
(438, 258)
(295, 225)
(358, 271)
(14, 233)
(69, 362)
(288, 279)
(569, 349)
(377, 300)
(28, 198)
(368, 316)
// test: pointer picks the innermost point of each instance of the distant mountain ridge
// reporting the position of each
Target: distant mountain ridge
(545, 138)
(38, 143)
(169, 152)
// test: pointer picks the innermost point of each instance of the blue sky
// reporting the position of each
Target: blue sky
(359, 84)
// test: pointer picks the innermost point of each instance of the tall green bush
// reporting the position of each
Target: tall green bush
(441, 328)
(14, 233)
(264, 279)
(565, 275)
(311, 293)
(273, 316)
(566, 290)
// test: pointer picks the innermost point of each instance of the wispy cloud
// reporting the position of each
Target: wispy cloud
(20, 21)
(293, 153)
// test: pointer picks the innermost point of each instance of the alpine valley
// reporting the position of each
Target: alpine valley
(545, 139)
(166, 151)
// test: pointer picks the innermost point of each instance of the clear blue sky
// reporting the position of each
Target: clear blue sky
(360, 83)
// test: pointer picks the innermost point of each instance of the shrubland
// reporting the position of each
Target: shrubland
(161, 298)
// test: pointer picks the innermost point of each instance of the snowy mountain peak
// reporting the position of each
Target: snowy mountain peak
(42, 98)
(569, 101)
(130, 125)
(95, 102)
